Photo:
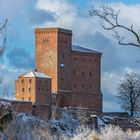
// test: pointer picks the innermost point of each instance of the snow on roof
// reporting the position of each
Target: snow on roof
(35, 74)
(81, 49)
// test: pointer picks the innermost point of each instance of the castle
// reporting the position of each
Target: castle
(65, 75)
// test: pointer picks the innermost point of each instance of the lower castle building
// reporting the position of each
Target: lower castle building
(65, 75)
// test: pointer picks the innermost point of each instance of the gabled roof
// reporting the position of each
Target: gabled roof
(35, 74)
(82, 49)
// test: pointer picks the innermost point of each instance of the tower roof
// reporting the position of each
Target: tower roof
(35, 74)
(82, 49)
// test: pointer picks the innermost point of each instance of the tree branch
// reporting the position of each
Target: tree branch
(110, 16)
(3, 25)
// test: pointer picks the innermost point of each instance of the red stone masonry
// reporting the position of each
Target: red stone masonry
(35, 87)
(74, 71)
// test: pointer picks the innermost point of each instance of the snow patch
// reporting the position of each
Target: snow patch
(36, 74)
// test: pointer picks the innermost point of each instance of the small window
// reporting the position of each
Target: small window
(29, 89)
(83, 86)
(74, 85)
(90, 86)
(74, 58)
(46, 81)
(30, 81)
(83, 73)
(22, 89)
(90, 60)
(38, 88)
(62, 79)
(29, 98)
(63, 56)
(90, 74)
(74, 71)
(39, 81)
(95, 60)
(45, 41)
(22, 81)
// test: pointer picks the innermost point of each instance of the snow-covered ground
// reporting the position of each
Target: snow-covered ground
(67, 127)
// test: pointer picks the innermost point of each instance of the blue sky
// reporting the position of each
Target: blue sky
(25, 15)
(123, 1)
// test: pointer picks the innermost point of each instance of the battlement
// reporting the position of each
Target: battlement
(56, 30)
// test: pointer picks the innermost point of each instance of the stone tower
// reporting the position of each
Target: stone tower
(53, 56)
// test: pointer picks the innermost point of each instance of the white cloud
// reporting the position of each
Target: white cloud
(71, 18)
(110, 80)
(57, 6)
(128, 16)
(83, 25)
(84, 29)
(128, 13)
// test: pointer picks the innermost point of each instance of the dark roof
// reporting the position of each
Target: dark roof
(82, 49)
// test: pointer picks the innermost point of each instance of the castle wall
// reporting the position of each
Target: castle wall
(86, 72)
(64, 61)
(86, 80)
(88, 101)
(25, 89)
(80, 100)
(22, 106)
(64, 99)
(43, 91)
(42, 111)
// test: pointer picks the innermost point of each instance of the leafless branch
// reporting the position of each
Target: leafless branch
(3, 25)
(3, 46)
(110, 16)
(1, 79)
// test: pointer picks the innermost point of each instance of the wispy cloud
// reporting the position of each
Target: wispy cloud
(87, 32)
(38, 17)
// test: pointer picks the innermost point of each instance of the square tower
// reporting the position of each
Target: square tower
(53, 56)
(33, 86)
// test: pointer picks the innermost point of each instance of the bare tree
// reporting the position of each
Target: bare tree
(3, 41)
(3, 26)
(111, 18)
(129, 93)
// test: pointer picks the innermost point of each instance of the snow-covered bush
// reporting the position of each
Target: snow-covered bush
(108, 133)
(112, 133)
(67, 127)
